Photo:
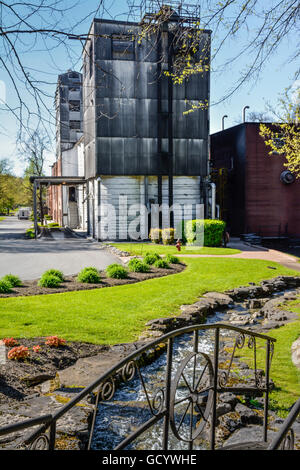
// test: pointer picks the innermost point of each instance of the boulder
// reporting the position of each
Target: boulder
(296, 353)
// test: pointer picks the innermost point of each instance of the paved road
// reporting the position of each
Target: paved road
(28, 259)
(11, 228)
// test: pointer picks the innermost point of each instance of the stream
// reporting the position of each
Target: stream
(118, 418)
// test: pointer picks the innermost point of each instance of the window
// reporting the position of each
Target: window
(75, 125)
(74, 88)
(74, 105)
(122, 48)
(91, 60)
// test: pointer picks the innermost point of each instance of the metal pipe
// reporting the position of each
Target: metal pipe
(35, 209)
(223, 118)
(244, 112)
(213, 200)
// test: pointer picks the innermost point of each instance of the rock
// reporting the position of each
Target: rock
(248, 416)
(229, 398)
(223, 408)
(37, 379)
(240, 320)
(249, 434)
(74, 423)
(222, 299)
(296, 353)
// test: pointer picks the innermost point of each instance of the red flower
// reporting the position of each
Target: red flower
(36, 348)
(18, 353)
(10, 342)
(55, 341)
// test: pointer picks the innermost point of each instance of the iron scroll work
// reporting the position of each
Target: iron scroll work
(186, 403)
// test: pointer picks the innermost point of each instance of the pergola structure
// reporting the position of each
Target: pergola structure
(37, 181)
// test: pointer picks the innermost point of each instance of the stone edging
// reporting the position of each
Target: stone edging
(271, 313)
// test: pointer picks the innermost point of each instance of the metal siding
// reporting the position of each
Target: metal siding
(126, 109)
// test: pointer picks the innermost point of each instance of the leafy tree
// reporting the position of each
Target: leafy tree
(283, 137)
(11, 188)
(33, 150)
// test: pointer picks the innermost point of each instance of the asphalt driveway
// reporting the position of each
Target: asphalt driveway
(28, 259)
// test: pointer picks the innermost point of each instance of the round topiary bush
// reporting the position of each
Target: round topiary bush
(161, 263)
(150, 258)
(172, 259)
(14, 281)
(55, 272)
(116, 271)
(49, 280)
(89, 276)
(137, 266)
(5, 287)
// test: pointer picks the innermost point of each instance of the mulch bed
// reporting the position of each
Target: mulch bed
(70, 284)
(18, 379)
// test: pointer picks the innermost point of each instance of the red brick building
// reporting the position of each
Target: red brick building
(54, 195)
(253, 192)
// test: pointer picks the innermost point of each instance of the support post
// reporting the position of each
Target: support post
(35, 209)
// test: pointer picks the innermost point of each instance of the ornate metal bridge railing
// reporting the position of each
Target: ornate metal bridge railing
(185, 401)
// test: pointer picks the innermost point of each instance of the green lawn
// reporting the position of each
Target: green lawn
(118, 314)
(283, 372)
(140, 249)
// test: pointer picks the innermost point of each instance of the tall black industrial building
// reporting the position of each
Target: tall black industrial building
(139, 144)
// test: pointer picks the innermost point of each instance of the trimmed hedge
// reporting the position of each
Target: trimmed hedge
(49, 280)
(5, 287)
(213, 231)
(161, 263)
(150, 258)
(172, 259)
(54, 272)
(155, 235)
(137, 266)
(14, 281)
(116, 271)
(89, 276)
(168, 235)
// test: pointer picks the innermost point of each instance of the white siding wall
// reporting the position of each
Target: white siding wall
(127, 191)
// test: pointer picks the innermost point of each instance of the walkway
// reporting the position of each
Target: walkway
(255, 252)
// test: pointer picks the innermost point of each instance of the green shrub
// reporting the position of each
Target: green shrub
(155, 235)
(55, 272)
(47, 217)
(172, 259)
(168, 236)
(29, 233)
(161, 263)
(53, 225)
(116, 271)
(89, 276)
(14, 281)
(137, 266)
(150, 258)
(49, 280)
(213, 231)
(5, 287)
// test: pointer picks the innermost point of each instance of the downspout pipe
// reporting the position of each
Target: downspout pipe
(213, 200)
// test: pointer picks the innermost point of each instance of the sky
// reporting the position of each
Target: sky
(46, 65)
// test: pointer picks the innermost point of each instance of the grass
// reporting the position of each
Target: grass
(140, 249)
(283, 372)
(118, 314)
(2, 218)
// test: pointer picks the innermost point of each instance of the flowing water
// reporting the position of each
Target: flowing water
(128, 410)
